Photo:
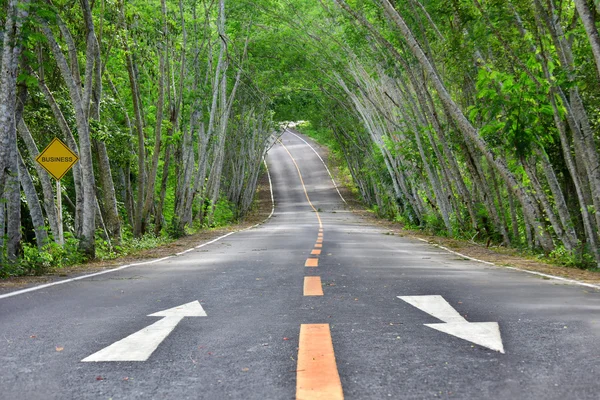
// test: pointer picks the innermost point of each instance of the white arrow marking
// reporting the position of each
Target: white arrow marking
(486, 334)
(140, 345)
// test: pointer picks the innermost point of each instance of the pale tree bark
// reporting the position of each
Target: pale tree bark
(514, 223)
(450, 157)
(583, 135)
(87, 238)
(9, 180)
(185, 174)
(200, 174)
(70, 141)
(128, 192)
(480, 182)
(375, 127)
(469, 131)
(556, 97)
(159, 220)
(45, 181)
(109, 200)
(261, 140)
(139, 126)
(549, 211)
(226, 103)
(441, 190)
(585, 214)
(163, 52)
(33, 203)
(88, 227)
(589, 24)
(221, 91)
(446, 157)
(559, 199)
(12, 194)
(2, 226)
(441, 200)
(151, 182)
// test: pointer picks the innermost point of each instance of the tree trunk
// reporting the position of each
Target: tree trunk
(70, 141)
(87, 239)
(111, 216)
(139, 125)
(151, 182)
(45, 181)
(469, 131)
(9, 180)
(33, 203)
(589, 24)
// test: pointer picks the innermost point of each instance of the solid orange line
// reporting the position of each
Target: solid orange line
(317, 375)
(318, 245)
(315, 252)
(312, 286)
(312, 262)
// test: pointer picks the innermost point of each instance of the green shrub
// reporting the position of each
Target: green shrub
(223, 214)
(36, 261)
(129, 245)
(575, 259)
(435, 224)
(174, 228)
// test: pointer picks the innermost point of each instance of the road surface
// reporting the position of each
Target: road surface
(260, 314)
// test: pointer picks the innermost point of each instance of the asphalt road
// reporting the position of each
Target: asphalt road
(251, 286)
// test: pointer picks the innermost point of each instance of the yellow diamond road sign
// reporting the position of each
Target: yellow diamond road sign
(57, 158)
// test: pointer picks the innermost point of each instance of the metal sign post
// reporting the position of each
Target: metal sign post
(61, 236)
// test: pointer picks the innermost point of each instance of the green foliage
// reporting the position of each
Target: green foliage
(435, 224)
(574, 259)
(129, 245)
(223, 213)
(514, 109)
(406, 222)
(174, 228)
(52, 256)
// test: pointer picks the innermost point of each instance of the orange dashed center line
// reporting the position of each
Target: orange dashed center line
(312, 286)
(312, 262)
(317, 375)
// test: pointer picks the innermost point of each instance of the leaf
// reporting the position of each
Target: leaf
(59, 348)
